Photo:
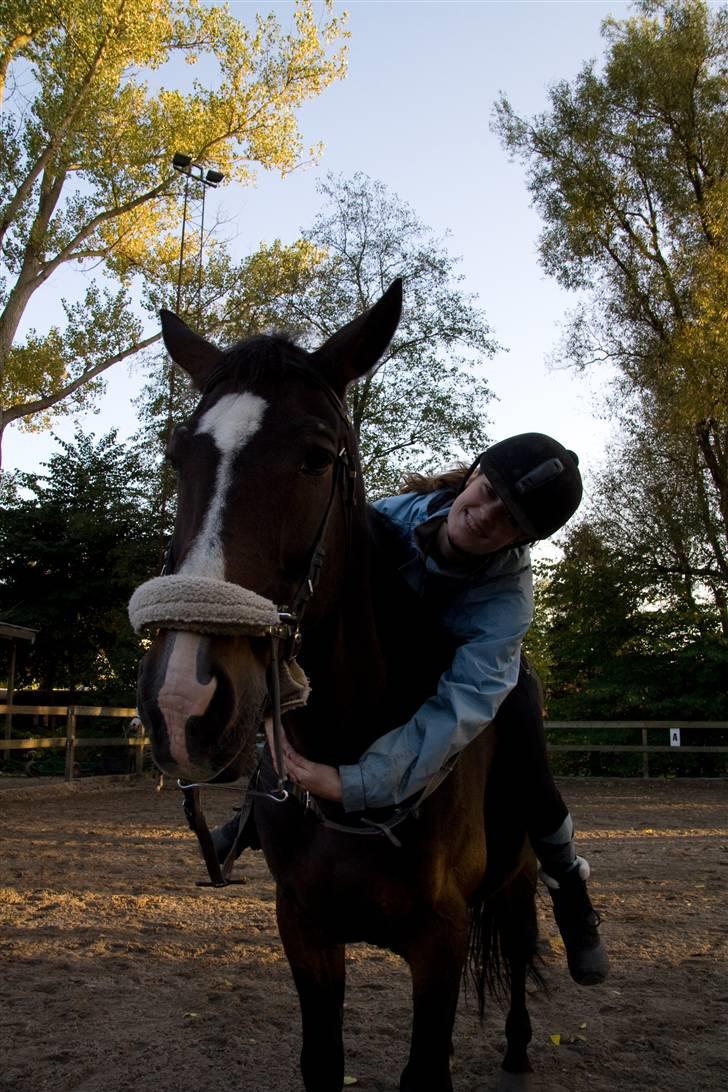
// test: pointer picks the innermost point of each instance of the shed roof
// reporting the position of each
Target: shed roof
(17, 633)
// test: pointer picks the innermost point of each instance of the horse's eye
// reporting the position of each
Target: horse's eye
(317, 460)
(176, 443)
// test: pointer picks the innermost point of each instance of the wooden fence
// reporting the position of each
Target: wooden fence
(672, 730)
(71, 740)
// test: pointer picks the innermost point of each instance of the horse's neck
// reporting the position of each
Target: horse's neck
(349, 675)
(373, 660)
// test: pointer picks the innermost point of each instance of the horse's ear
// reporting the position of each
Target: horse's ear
(195, 355)
(356, 347)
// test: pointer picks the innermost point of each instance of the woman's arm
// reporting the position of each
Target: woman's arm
(401, 763)
(483, 672)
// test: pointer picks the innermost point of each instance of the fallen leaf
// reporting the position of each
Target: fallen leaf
(351, 1080)
(555, 1039)
(192, 1016)
(582, 1026)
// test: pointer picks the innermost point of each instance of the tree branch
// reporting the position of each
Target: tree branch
(25, 409)
(59, 132)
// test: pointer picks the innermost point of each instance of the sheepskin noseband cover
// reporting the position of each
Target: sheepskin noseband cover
(201, 605)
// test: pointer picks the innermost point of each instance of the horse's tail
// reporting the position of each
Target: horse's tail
(503, 937)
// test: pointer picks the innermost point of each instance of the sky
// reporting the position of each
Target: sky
(414, 112)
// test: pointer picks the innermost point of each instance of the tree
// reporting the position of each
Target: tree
(587, 613)
(425, 403)
(611, 651)
(74, 543)
(654, 506)
(258, 283)
(629, 169)
(85, 171)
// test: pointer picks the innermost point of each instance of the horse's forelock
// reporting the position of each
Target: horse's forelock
(265, 356)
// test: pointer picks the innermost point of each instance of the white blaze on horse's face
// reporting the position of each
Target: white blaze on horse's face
(182, 694)
(232, 422)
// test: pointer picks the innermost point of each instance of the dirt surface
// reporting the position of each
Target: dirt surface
(118, 973)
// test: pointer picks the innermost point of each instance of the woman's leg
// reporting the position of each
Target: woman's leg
(551, 832)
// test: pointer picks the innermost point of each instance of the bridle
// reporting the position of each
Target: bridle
(291, 616)
(285, 635)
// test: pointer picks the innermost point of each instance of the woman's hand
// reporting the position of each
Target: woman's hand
(323, 781)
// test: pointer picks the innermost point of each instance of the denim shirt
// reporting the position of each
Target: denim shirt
(487, 614)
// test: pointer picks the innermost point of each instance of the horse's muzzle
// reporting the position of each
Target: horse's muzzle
(201, 714)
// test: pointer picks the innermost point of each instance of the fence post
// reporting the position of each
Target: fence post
(645, 756)
(10, 691)
(70, 742)
(139, 757)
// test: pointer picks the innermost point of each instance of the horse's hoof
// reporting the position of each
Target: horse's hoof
(514, 1082)
(410, 1083)
(509, 1082)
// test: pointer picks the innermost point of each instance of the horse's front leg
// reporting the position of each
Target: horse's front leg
(435, 952)
(318, 972)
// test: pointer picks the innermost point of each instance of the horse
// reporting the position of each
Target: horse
(277, 566)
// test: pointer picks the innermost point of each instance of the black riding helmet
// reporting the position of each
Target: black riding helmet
(537, 479)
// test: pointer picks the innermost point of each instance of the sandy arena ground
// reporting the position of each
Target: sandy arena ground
(118, 973)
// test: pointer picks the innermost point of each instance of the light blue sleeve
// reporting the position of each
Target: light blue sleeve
(483, 672)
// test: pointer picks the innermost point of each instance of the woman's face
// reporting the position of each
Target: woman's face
(478, 522)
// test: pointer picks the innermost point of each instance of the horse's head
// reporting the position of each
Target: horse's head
(265, 472)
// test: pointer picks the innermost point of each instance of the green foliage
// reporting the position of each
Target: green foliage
(610, 654)
(87, 146)
(74, 543)
(629, 169)
(424, 405)
(655, 505)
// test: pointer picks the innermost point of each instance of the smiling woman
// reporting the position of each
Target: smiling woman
(478, 522)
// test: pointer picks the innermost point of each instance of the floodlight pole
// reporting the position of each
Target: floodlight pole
(185, 165)
(199, 263)
(182, 243)
(207, 178)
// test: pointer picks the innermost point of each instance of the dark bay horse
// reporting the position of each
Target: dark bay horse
(271, 503)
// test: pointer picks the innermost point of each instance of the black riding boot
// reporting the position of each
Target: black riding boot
(578, 924)
(565, 875)
(229, 836)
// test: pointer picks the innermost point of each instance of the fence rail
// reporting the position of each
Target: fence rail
(71, 740)
(643, 726)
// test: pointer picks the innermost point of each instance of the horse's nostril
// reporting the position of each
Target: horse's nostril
(182, 693)
(202, 716)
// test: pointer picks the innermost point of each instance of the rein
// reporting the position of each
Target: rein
(220, 873)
